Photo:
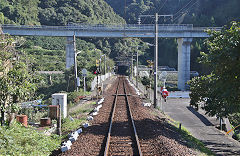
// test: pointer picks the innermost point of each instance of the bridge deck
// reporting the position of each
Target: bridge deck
(130, 30)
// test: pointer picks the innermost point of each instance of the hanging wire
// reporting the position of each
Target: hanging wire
(183, 8)
(152, 20)
(162, 5)
(186, 11)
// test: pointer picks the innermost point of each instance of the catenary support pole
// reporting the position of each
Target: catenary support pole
(137, 70)
(132, 68)
(75, 63)
(155, 61)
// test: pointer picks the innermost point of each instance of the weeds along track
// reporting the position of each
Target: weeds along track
(122, 136)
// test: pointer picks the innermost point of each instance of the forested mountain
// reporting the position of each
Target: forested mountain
(61, 12)
(197, 12)
(57, 12)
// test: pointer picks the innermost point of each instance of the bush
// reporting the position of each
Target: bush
(18, 140)
(68, 125)
(145, 81)
(73, 97)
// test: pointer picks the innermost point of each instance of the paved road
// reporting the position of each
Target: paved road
(201, 126)
(198, 124)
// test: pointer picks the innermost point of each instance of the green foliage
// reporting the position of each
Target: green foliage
(60, 12)
(18, 140)
(1, 18)
(219, 91)
(200, 13)
(16, 80)
(21, 12)
(79, 113)
(73, 97)
(68, 125)
(145, 81)
(47, 60)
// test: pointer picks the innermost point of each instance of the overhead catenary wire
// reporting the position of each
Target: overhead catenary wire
(185, 11)
(176, 18)
(162, 5)
(182, 8)
(152, 20)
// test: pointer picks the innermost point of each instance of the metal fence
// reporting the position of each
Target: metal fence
(164, 27)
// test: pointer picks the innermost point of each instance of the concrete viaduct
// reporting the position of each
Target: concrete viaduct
(183, 33)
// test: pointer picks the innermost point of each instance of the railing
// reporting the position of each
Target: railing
(100, 27)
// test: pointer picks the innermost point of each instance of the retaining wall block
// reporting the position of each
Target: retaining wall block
(68, 143)
(95, 113)
(99, 106)
(79, 130)
(85, 125)
(65, 148)
(89, 118)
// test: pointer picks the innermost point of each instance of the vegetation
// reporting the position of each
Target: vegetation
(17, 82)
(199, 12)
(19, 140)
(79, 115)
(219, 91)
(57, 12)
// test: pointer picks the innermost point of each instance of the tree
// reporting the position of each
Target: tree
(16, 82)
(219, 92)
(1, 18)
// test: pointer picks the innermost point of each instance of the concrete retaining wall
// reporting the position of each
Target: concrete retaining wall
(100, 79)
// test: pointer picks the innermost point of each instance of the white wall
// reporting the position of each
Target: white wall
(103, 78)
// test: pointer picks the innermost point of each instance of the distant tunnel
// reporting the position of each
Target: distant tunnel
(122, 70)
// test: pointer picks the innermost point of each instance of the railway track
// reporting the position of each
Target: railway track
(112, 132)
(122, 136)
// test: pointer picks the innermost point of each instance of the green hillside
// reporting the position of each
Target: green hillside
(57, 12)
(197, 12)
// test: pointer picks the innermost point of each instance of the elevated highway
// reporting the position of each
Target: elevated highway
(116, 31)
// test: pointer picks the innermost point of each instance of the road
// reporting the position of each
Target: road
(201, 126)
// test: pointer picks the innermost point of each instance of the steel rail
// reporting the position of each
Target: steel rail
(132, 121)
(134, 128)
(110, 126)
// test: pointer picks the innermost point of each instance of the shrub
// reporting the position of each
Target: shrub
(18, 140)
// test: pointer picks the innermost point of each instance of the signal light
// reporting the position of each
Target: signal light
(97, 71)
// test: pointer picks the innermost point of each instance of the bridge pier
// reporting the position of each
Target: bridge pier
(70, 52)
(184, 48)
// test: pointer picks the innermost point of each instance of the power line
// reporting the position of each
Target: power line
(183, 7)
(156, 9)
(162, 5)
(185, 11)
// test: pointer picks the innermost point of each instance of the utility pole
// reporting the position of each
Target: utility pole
(137, 70)
(156, 61)
(132, 68)
(75, 62)
(155, 101)
(100, 69)
(104, 64)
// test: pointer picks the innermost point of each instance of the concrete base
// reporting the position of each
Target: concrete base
(184, 48)
(70, 52)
